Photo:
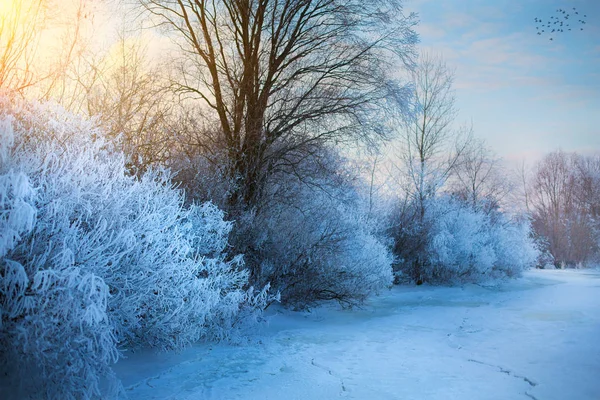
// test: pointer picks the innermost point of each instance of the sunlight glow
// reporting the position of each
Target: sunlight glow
(5, 7)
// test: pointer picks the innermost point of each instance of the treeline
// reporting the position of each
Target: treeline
(563, 199)
(155, 204)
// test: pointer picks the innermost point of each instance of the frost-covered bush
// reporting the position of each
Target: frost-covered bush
(315, 243)
(514, 246)
(462, 243)
(94, 261)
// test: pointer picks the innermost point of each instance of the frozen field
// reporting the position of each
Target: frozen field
(537, 337)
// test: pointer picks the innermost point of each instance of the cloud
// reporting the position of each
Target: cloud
(459, 20)
(430, 32)
(496, 62)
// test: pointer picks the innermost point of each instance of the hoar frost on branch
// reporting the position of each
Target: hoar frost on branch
(316, 243)
(468, 244)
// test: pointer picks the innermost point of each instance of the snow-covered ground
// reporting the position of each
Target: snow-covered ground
(535, 337)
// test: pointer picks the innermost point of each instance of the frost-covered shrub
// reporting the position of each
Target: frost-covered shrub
(17, 211)
(94, 260)
(514, 246)
(315, 243)
(462, 243)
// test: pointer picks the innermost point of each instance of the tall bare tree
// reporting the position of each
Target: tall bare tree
(283, 77)
(431, 145)
(430, 150)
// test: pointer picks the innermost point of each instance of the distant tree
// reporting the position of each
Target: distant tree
(588, 186)
(284, 77)
(564, 198)
(477, 177)
(430, 146)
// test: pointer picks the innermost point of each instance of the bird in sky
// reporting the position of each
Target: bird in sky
(559, 22)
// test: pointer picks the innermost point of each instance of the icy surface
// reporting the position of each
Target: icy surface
(536, 337)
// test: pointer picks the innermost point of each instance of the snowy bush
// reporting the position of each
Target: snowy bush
(94, 261)
(314, 243)
(462, 243)
(515, 249)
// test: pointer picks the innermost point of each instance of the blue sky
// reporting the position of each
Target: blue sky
(525, 95)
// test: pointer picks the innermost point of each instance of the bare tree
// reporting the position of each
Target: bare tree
(565, 206)
(478, 178)
(523, 180)
(588, 186)
(431, 146)
(284, 77)
(20, 27)
(552, 191)
(129, 98)
(430, 150)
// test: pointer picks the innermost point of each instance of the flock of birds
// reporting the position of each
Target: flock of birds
(563, 22)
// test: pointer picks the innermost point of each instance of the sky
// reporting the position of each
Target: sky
(524, 94)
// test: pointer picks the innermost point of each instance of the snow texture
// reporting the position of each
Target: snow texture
(530, 338)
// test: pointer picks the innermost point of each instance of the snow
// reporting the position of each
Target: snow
(535, 337)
